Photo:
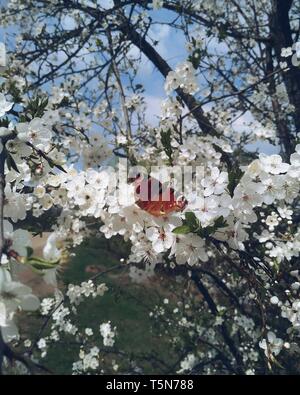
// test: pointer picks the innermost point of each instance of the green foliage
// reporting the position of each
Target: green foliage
(182, 230)
(192, 221)
(36, 107)
(29, 252)
(39, 264)
(99, 43)
(192, 225)
(52, 164)
(209, 230)
(234, 177)
(196, 55)
(195, 58)
(166, 142)
(11, 164)
(126, 305)
(4, 122)
(14, 90)
(222, 30)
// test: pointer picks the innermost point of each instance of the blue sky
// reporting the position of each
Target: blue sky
(171, 46)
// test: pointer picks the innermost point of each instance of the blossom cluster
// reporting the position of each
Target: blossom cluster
(182, 77)
(240, 218)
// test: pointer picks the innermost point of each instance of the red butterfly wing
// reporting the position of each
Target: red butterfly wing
(156, 199)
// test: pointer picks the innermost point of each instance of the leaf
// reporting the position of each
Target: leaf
(191, 225)
(222, 30)
(99, 42)
(182, 230)
(59, 167)
(275, 361)
(191, 221)
(36, 107)
(205, 232)
(234, 177)
(208, 230)
(53, 164)
(29, 252)
(11, 164)
(40, 263)
(180, 101)
(220, 223)
(4, 122)
(166, 143)
(195, 58)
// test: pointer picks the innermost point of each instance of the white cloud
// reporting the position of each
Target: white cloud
(247, 123)
(106, 4)
(161, 34)
(69, 23)
(153, 105)
(241, 124)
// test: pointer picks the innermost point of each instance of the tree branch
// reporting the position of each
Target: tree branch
(282, 37)
(213, 308)
(193, 105)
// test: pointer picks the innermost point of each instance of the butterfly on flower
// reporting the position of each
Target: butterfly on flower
(155, 198)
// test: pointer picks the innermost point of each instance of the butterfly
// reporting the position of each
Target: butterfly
(155, 198)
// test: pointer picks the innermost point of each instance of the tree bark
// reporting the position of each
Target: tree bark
(192, 104)
(282, 38)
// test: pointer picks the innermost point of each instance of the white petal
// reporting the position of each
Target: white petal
(30, 303)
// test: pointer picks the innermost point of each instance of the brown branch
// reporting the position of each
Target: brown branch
(282, 37)
(228, 29)
(193, 105)
(122, 98)
(224, 331)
